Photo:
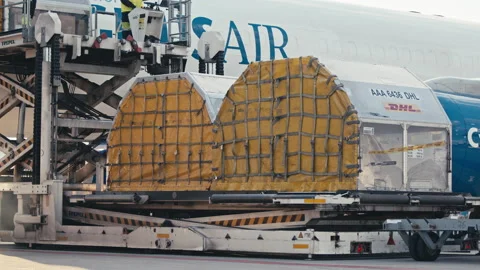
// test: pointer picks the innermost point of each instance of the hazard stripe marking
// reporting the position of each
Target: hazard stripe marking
(18, 90)
(119, 220)
(8, 160)
(258, 220)
(226, 223)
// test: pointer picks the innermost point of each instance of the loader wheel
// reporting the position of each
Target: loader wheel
(412, 246)
(419, 250)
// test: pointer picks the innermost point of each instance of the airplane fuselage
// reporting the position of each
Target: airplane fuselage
(429, 46)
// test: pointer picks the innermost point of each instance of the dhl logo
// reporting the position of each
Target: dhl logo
(401, 107)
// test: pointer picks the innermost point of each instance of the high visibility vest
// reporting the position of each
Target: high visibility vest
(31, 12)
(127, 6)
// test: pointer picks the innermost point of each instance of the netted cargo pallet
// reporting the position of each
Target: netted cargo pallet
(162, 135)
(286, 125)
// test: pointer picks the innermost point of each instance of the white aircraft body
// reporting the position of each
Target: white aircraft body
(429, 46)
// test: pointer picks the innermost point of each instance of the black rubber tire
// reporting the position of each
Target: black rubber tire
(412, 246)
(419, 250)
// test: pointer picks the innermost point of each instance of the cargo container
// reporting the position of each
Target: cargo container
(289, 125)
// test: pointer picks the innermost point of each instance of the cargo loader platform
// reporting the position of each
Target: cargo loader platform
(289, 158)
(344, 211)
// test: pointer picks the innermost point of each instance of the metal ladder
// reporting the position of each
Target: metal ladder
(179, 13)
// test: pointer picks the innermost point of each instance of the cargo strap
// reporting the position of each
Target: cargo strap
(409, 148)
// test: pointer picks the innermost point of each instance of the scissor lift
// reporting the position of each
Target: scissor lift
(41, 210)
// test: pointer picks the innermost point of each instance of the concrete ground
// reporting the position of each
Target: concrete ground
(13, 257)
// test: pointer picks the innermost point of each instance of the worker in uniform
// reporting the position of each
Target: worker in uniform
(127, 6)
(31, 12)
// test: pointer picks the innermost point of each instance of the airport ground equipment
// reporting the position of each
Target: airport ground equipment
(425, 238)
(50, 208)
(211, 50)
(83, 50)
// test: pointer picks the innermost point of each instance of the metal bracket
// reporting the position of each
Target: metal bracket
(43, 43)
(157, 54)
(82, 123)
(204, 237)
(439, 244)
(117, 53)
(24, 188)
(77, 47)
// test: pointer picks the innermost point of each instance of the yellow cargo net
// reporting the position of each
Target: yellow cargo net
(286, 125)
(161, 139)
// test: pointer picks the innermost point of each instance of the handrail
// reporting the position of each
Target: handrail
(93, 31)
(95, 26)
(14, 4)
(107, 13)
(25, 5)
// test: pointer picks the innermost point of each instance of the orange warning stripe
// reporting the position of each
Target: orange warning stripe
(20, 92)
(258, 220)
(120, 220)
(8, 147)
(18, 152)
(229, 223)
(5, 102)
(26, 97)
(28, 164)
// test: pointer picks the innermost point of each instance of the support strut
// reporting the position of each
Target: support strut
(37, 116)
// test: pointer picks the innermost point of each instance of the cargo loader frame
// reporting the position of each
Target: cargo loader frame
(425, 238)
(41, 209)
(114, 229)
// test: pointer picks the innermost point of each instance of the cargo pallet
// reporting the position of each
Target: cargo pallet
(45, 203)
